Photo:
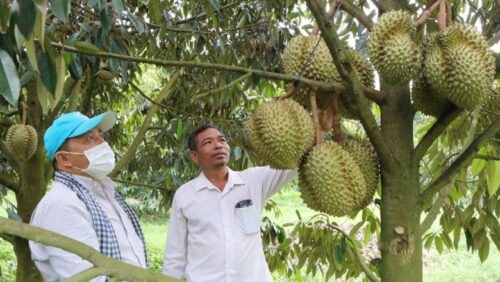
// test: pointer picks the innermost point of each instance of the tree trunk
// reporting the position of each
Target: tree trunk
(400, 215)
(33, 187)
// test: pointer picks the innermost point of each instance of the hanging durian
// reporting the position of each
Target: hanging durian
(280, 132)
(22, 141)
(392, 49)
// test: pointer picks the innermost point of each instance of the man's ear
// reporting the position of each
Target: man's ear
(62, 160)
(194, 156)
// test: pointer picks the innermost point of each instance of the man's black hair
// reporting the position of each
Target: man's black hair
(191, 141)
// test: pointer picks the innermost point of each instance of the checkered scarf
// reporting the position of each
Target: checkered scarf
(108, 243)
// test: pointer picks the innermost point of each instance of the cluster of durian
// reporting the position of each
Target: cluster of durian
(309, 57)
(338, 179)
(458, 66)
(21, 141)
(392, 48)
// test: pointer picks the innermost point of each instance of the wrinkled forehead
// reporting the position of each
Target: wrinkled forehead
(210, 133)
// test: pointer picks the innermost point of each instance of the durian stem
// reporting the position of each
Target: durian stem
(337, 131)
(314, 109)
(25, 112)
(442, 15)
(289, 93)
(449, 20)
(427, 13)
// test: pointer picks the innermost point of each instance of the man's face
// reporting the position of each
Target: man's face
(79, 144)
(212, 150)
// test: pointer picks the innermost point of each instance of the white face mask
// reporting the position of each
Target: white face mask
(101, 160)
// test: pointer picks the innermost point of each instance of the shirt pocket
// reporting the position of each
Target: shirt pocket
(248, 219)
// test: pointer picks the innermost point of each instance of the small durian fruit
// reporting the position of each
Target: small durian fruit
(22, 141)
(392, 49)
(365, 156)
(281, 132)
(104, 75)
(331, 180)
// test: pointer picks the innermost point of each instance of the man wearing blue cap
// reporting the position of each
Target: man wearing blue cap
(82, 203)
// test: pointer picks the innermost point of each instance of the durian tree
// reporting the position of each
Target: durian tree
(428, 124)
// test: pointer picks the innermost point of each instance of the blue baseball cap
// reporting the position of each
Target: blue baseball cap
(74, 124)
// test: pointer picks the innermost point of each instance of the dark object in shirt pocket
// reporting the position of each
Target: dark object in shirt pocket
(244, 203)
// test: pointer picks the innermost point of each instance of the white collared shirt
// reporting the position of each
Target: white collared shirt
(210, 239)
(62, 212)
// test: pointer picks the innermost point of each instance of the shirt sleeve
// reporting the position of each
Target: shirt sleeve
(175, 258)
(274, 179)
(71, 221)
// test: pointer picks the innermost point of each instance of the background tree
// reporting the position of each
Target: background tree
(216, 61)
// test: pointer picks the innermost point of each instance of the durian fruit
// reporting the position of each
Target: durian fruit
(309, 57)
(331, 181)
(425, 99)
(391, 48)
(281, 132)
(364, 72)
(22, 141)
(104, 75)
(365, 156)
(459, 65)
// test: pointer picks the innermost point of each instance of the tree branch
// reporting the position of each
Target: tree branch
(202, 16)
(86, 275)
(369, 274)
(7, 181)
(137, 184)
(494, 39)
(164, 94)
(323, 86)
(461, 161)
(356, 13)
(346, 71)
(437, 128)
(436, 207)
(10, 157)
(7, 238)
(107, 266)
(487, 158)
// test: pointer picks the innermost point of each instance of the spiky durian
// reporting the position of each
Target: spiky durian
(280, 132)
(364, 72)
(365, 156)
(332, 181)
(426, 100)
(21, 141)
(391, 48)
(459, 66)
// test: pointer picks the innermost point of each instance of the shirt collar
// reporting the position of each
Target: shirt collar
(96, 187)
(233, 179)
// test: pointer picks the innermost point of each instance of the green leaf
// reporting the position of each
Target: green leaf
(61, 9)
(41, 14)
(61, 73)
(154, 8)
(9, 80)
(492, 171)
(179, 129)
(47, 71)
(478, 164)
(456, 237)
(25, 17)
(119, 7)
(4, 15)
(13, 215)
(86, 47)
(428, 242)
(31, 52)
(439, 244)
(484, 250)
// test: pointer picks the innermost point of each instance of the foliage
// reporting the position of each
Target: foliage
(51, 60)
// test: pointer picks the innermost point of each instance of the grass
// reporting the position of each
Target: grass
(450, 266)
